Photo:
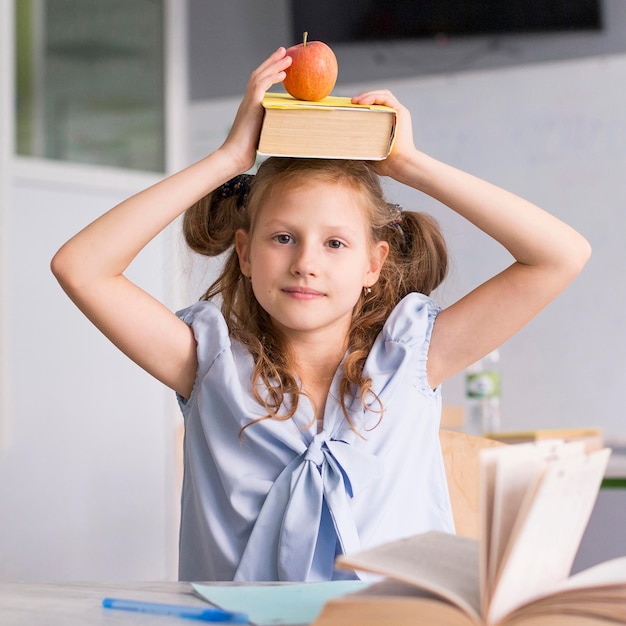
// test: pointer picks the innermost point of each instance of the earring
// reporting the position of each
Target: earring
(367, 290)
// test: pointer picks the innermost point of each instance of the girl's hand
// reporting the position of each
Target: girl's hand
(243, 137)
(403, 145)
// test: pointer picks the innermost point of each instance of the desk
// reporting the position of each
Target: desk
(80, 604)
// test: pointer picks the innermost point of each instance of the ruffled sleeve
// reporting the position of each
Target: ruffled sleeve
(404, 342)
(211, 334)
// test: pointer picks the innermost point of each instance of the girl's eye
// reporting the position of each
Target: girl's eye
(335, 244)
(283, 238)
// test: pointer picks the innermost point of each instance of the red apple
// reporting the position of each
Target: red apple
(313, 70)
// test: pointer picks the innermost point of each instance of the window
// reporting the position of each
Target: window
(90, 82)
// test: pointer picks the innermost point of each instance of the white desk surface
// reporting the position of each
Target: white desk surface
(80, 604)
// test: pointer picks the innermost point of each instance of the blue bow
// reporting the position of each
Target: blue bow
(284, 538)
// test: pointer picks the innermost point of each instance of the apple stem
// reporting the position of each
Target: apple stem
(306, 34)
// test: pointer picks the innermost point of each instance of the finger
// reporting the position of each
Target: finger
(269, 74)
(380, 96)
(278, 54)
(276, 62)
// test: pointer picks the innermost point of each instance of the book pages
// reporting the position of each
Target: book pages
(611, 573)
(517, 477)
(544, 543)
(487, 478)
(506, 481)
(441, 563)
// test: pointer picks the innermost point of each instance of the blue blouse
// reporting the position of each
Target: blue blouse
(281, 500)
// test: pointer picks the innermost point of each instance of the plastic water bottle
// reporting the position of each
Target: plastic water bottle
(482, 396)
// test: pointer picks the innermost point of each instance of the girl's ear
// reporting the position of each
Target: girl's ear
(378, 256)
(242, 246)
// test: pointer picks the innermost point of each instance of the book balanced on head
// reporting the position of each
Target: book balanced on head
(332, 128)
(536, 500)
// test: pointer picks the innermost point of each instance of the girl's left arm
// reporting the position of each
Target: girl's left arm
(548, 253)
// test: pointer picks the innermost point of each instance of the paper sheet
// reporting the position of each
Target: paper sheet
(270, 604)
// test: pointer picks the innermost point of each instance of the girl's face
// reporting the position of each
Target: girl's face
(309, 255)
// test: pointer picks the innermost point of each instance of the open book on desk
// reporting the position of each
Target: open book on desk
(536, 500)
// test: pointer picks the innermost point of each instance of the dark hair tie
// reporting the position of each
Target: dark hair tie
(395, 213)
(396, 218)
(239, 187)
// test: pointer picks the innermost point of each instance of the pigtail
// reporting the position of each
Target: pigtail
(210, 224)
(417, 260)
(420, 252)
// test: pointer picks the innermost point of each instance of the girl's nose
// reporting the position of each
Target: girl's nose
(304, 262)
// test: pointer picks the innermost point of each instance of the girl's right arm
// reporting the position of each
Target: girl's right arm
(91, 264)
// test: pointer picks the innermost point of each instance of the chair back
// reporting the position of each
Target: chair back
(461, 455)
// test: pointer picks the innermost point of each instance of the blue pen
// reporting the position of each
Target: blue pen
(190, 612)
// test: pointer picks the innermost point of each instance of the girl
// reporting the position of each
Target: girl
(311, 397)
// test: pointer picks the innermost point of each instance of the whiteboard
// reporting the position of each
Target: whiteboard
(554, 133)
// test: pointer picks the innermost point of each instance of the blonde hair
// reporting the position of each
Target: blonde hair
(417, 262)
